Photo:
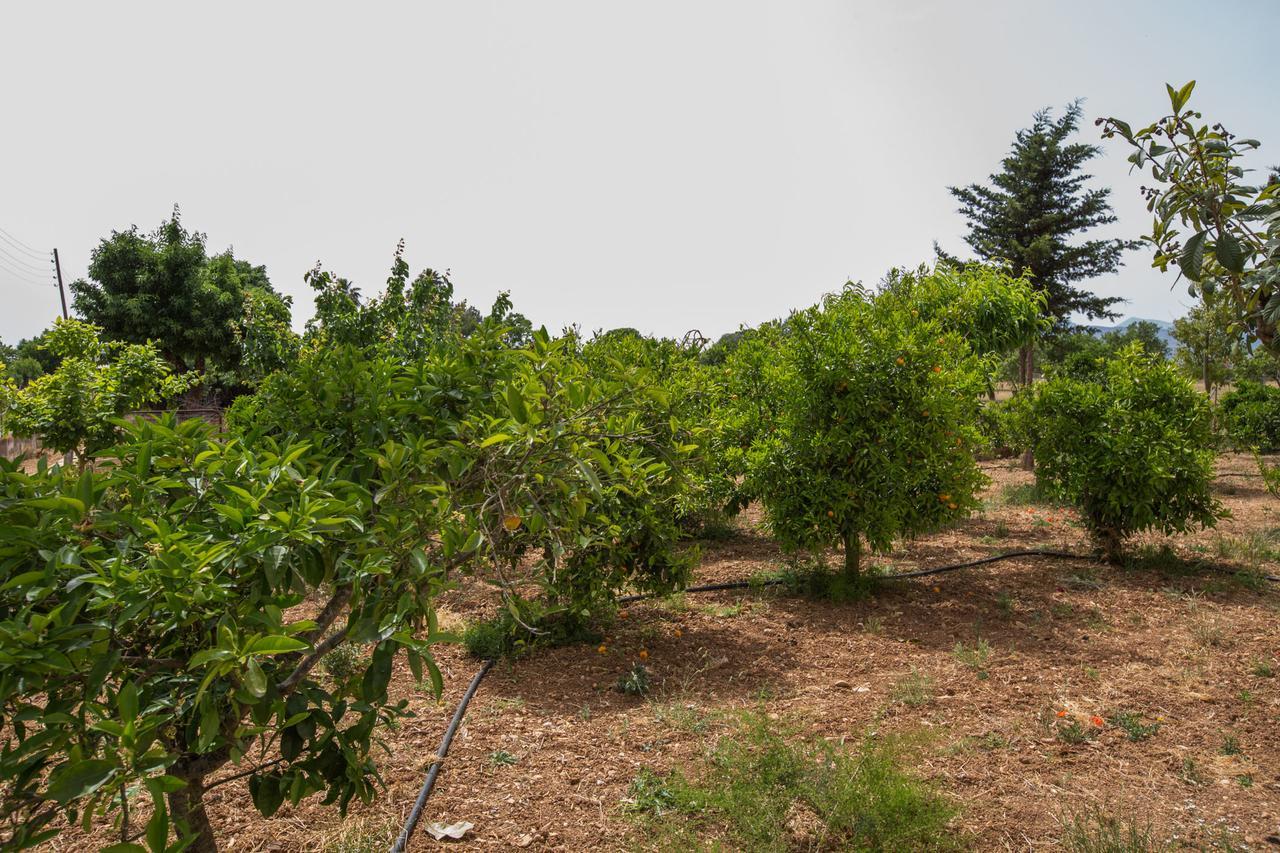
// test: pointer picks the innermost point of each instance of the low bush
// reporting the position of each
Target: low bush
(1251, 416)
(1132, 450)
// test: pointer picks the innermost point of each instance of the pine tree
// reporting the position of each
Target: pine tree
(1034, 206)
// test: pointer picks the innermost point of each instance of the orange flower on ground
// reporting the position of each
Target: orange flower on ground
(622, 614)
(679, 633)
(603, 648)
(937, 589)
(1096, 720)
(644, 655)
(1062, 713)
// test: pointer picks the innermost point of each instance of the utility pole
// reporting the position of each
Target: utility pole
(57, 265)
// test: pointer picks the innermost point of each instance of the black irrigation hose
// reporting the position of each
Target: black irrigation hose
(718, 587)
(429, 784)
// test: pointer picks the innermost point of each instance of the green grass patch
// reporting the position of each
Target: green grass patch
(765, 788)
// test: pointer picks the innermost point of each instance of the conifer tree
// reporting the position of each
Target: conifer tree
(1034, 206)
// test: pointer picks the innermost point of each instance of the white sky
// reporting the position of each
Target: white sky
(665, 165)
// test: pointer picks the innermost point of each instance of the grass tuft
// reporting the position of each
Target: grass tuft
(767, 789)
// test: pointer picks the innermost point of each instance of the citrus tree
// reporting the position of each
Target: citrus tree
(1132, 449)
(76, 408)
(162, 615)
(878, 397)
(596, 477)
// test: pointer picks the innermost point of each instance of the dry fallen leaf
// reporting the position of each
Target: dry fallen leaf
(440, 831)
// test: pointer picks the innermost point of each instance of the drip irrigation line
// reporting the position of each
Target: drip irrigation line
(728, 585)
(430, 782)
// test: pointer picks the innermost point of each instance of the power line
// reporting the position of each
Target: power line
(24, 277)
(21, 246)
(19, 262)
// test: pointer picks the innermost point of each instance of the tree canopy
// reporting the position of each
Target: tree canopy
(165, 287)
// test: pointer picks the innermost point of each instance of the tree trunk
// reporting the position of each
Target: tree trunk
(1028, 362)
(1112, 546)
(186, 807)
(852, 555)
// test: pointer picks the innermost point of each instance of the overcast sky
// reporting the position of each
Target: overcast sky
(662, 165)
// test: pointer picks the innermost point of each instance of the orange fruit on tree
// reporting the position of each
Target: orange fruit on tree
(511, 522)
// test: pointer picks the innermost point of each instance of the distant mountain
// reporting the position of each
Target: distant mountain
(1165, 327)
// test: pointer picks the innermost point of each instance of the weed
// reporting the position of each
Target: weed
(1093, 831)
(1023, 494)
(1263, 669)
(771, 790)
(1062, 610)
(505, 636)
(501, 758)
(584, 713)
(1191, 773)
(1091, 673)
(1208, 633)
(1245, 780)
(724, 611)
(1131, 723)
(1006, 603)
(975, 656)
(915, 690)
(635, 681)
(1074, 733)
(361, 834)
(682, 717)
(873, 625)
(1001, 530)
(1082, 580)
(1230, 746)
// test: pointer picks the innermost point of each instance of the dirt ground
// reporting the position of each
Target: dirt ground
(549, 748)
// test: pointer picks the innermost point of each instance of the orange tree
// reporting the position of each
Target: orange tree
(1132, 448)
(164, 613)
(878, 398)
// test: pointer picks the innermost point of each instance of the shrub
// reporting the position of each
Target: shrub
(76, 408)
(1251, 416)
(878, 398)
(1132, 451)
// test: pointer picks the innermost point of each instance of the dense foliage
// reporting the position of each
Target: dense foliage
(212, 314)
(878, 398)
(1251, 416)
(1131, 448)
(76, 408)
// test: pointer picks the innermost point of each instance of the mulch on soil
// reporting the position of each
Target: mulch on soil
(1184, 650)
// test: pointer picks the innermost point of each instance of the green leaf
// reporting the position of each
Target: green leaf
(254, 679)
(515, 402)
(275, 645)
(1191, 260)
(1229, 253)
(495, 439)
(127, 702)
(78, 779)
